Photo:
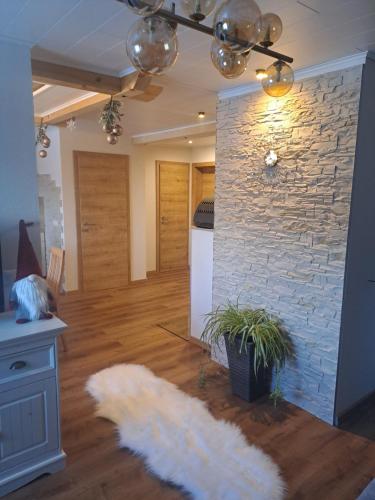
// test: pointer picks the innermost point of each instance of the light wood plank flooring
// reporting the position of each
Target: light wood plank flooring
(319, 462)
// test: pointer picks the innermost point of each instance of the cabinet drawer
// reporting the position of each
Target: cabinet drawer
(28, 362)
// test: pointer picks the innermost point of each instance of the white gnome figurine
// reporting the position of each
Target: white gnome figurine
(30, 298)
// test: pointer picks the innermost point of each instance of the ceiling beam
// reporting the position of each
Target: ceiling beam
(57, 74)
(74, 109)
(133, 85)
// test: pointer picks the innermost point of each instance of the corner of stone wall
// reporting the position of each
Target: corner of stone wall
(280, 235)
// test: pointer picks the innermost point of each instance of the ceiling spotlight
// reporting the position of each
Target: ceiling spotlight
(190, 141)
(260, 74)
(201, 114)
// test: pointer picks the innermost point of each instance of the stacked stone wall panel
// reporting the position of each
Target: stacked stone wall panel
(281, 234)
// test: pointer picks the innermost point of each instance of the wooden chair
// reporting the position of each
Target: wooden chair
(54, 277)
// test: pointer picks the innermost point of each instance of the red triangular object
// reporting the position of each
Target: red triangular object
(27, 263)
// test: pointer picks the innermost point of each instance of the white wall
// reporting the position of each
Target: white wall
(18, 178)
(203, 154)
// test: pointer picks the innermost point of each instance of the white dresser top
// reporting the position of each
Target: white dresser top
(10, 330)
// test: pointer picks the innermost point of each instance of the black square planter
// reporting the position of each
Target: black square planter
(245, 383)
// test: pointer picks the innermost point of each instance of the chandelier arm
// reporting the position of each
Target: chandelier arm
(175, 18)
(272, 53)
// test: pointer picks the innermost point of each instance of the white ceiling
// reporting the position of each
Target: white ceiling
(197, 141)
(91, 34)
(176, 106)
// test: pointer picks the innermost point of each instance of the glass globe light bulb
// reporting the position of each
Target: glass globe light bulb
(144, 7)
(270, 29)
(237, 19)
(152, 45)
(279, 79)
(198, 10)
(230, 64)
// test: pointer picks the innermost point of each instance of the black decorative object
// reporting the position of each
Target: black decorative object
(204, 214)
(245, 383)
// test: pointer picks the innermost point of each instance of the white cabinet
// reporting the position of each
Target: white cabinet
(30, 442)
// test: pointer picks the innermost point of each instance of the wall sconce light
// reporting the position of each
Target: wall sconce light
(271, 158)
(260, 74)
(201, 114)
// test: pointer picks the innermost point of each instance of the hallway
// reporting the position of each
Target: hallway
(118, 326)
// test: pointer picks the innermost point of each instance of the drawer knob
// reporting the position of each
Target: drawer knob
(17, 365)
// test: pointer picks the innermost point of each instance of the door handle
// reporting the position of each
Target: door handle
(164, 219)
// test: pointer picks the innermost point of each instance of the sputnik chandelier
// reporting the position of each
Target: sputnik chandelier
(238, 29)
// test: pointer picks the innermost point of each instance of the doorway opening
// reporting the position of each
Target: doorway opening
(180, 187)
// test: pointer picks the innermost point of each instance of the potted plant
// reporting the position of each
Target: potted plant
(255, 343)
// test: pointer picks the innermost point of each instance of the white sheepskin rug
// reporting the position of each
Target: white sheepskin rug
(180, 440)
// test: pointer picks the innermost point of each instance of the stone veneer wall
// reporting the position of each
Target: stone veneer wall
(51, 219)
(280, 234)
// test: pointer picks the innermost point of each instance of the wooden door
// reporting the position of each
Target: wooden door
(172, 180)
(102, 198)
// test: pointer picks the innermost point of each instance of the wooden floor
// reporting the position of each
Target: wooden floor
(318, 462)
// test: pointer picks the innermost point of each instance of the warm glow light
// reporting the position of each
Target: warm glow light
(201, 114)
(190, 142)
(279, 80)
(260, 74)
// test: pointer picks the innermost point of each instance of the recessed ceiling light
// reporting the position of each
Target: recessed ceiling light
(261, 74)
(201, 114)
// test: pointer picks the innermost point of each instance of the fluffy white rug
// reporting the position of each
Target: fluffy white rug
(180, 440)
